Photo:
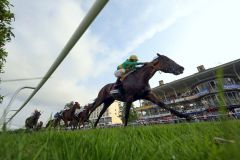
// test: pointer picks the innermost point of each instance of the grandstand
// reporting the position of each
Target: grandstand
(197, 94)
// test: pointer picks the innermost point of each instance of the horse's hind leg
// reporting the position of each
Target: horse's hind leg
(66, 124)
(105, 107)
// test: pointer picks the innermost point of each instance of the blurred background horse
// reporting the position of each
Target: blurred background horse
(69, 115)
(31, 122)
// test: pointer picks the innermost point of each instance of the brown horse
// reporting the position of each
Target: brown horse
(136, 86)
(31, 122)
(80, 118)
(83, 116)
(69, 115)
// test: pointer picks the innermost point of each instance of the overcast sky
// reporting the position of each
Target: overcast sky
(190, 32)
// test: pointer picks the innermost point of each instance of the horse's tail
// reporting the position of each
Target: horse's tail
(90, 109)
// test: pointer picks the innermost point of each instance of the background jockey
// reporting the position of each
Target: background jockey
(66, 107)
(57, 115)
(127, 66)
(69, 105)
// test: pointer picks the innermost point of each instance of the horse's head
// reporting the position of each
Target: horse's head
(166, 65)
(77, 105)
(87, 110)
(37, 114)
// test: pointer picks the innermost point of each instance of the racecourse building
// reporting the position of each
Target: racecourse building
(198, 94)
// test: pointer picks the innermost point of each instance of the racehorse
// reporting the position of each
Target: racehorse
(80, 118)
(136, 86)
(69, 115)
(53, 122)
(31, 122)
(83, 116)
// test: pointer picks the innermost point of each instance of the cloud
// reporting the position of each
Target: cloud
(82, 62)
(37, 44)
(36, 47)
(152, 26)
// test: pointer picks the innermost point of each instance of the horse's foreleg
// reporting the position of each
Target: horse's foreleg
(66, 124)
(153, 98)
(83, 125)
(105, 107)
(127, 109)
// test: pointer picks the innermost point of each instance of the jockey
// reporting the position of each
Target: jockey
(78, 110)
(127, 66)
(56, 115)
(69, 105)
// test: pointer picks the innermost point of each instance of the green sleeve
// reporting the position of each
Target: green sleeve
(131, 63)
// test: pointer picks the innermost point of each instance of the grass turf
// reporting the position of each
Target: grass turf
(172, 141)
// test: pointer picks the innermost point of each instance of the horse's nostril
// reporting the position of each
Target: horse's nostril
(182, 69)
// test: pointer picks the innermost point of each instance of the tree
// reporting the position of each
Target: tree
(6, 17)
(133, 116)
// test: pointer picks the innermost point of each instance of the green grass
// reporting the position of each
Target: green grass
(180, 141)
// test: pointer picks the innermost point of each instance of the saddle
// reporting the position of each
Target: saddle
(125, 75)
(119, 92)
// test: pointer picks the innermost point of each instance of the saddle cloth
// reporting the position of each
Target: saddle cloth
(125, 75)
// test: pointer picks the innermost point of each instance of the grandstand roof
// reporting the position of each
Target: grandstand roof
(229, 69)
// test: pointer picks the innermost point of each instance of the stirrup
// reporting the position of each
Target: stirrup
(115, 91)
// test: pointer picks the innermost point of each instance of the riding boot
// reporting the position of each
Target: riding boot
(117, 83)
(118, 86)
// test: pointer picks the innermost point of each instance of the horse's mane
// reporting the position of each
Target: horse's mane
(139, 69)
(143, 66)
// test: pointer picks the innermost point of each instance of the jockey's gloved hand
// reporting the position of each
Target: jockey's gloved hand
(143, 63)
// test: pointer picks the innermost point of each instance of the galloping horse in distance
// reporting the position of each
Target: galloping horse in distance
(69, 115)
(81, 118)
(31, 122)
(83, 115)
(136, 86)
(54, 122)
